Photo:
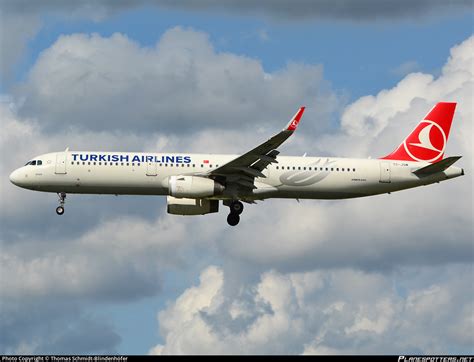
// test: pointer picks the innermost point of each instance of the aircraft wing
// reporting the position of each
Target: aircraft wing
(243, 170)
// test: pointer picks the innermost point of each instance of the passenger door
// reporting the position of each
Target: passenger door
(60, 163)
(385, 172)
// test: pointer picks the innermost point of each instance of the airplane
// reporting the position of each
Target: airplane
(196, 183)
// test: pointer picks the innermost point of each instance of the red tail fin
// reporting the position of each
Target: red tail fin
(428, 140)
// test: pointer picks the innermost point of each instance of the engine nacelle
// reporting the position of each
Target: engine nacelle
(193, 187)
(182, 206)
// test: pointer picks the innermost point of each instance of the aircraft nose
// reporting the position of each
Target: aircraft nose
(15, 177)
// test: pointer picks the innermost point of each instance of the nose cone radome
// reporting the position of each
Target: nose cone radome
(15, 177)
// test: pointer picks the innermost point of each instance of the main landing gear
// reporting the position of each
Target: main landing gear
(62, 200)
(236, 208)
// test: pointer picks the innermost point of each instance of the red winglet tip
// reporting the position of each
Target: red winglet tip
(296, 119)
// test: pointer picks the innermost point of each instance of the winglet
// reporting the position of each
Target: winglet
(291, 126)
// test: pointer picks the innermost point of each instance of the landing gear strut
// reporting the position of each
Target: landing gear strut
(62, 200)
(236, 208)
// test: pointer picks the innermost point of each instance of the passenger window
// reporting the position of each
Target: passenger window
(332, 169)
(337, 169)
(342, 169)
(353, 169)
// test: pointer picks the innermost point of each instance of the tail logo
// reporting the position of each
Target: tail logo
(427, 142)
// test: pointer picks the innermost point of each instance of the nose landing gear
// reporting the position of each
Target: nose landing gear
(236, 208)
(62, 200)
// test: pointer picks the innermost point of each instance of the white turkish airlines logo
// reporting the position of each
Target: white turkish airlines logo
(417, 150)
(294, 123)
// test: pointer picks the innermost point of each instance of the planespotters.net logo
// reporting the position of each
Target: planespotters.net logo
(435, 359)
(427, 142)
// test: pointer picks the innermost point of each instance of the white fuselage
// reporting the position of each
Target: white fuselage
(292, 177)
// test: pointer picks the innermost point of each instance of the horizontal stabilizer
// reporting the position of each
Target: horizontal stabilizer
(439, 166)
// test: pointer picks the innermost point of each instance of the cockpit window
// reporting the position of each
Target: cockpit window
(34, 163)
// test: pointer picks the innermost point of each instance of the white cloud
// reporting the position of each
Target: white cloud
(372, 123)
(348, 312)
(182, 85)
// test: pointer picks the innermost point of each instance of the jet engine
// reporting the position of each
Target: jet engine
(183, 206)
(193, 187)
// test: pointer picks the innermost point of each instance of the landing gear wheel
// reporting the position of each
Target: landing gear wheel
(233, 219)
(236, 207)
(62, 200)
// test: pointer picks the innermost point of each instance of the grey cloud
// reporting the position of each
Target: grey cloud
(15, 32)
(367, 10)
(85, 335)
(52, 325)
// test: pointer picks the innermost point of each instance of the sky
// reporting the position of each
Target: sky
(387, 274)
